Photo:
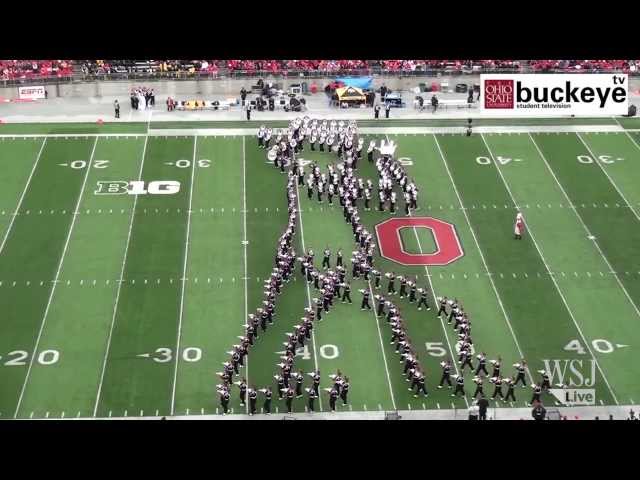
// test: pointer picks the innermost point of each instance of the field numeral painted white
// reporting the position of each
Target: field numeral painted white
(600, 345)
(80, 164)
(499, 159)
(191, 354)
(606, 159)
(328, 352)
(435, 349)
(405, 161)
(164, 354)
(20, 357)
(184, 163)
(46, 357)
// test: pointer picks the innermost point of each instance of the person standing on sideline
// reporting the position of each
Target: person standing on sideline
(483, 405)
(387, 109)
(116, 107)
(376, 111)
(243, 95)
(248, 112)
(474, 411)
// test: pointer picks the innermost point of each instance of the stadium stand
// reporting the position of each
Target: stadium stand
(24, 71)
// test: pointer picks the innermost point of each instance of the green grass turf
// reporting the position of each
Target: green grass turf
(154, 315)
(481, 185)
(32, 254)
(141, 127)
(147, 314)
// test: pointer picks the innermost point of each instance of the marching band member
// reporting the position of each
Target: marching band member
(521, 367)
(478, 380)
(459, 386)
(446, 373)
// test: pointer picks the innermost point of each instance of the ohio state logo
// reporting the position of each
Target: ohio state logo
(448, 248)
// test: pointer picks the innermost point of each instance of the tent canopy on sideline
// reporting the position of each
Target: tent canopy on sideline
(350, 94)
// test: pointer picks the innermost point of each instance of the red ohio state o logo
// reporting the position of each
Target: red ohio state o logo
(448, 248)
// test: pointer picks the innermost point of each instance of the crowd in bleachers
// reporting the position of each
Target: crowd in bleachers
(27, 69)
(33, 69)
(383, 66)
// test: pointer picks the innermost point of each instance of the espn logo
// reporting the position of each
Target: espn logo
(574, 396)
(498, 94)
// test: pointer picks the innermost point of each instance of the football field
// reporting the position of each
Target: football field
(130, 258)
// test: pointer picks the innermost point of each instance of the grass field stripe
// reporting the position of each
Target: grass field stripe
(304, 250)
(484, 262)
(433, 292)
(384, 356)
(26, 187)
(626, 132)
(244, 245)
(115, 304)
(184, 276)
(608, 176)
(564, 300)
(544, 159)
(53, 287)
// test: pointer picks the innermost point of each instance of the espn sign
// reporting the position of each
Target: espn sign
(552, 95)
(31, 93)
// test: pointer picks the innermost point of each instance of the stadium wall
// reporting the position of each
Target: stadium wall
(226, 87)
(220, 86)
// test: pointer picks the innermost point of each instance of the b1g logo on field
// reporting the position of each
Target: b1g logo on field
(137, 187)
(448, 248)
(498, 94)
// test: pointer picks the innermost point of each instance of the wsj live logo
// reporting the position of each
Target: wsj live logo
(574, 396)
(499, 94)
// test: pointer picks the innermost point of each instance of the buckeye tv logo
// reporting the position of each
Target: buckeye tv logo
(498, 93)
(549, 95)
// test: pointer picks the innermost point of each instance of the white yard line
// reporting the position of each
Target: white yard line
(53, 287)
(564, 300)
(24, 192)
(384, 356)
(435, 304)
(585, 226)
(484, 262)
(304, 251)
(115, 305)
(184, 279)
(244, 244)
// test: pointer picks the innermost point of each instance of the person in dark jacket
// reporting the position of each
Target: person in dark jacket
(483, 404)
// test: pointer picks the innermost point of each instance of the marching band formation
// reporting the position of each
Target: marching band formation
(331, 284)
